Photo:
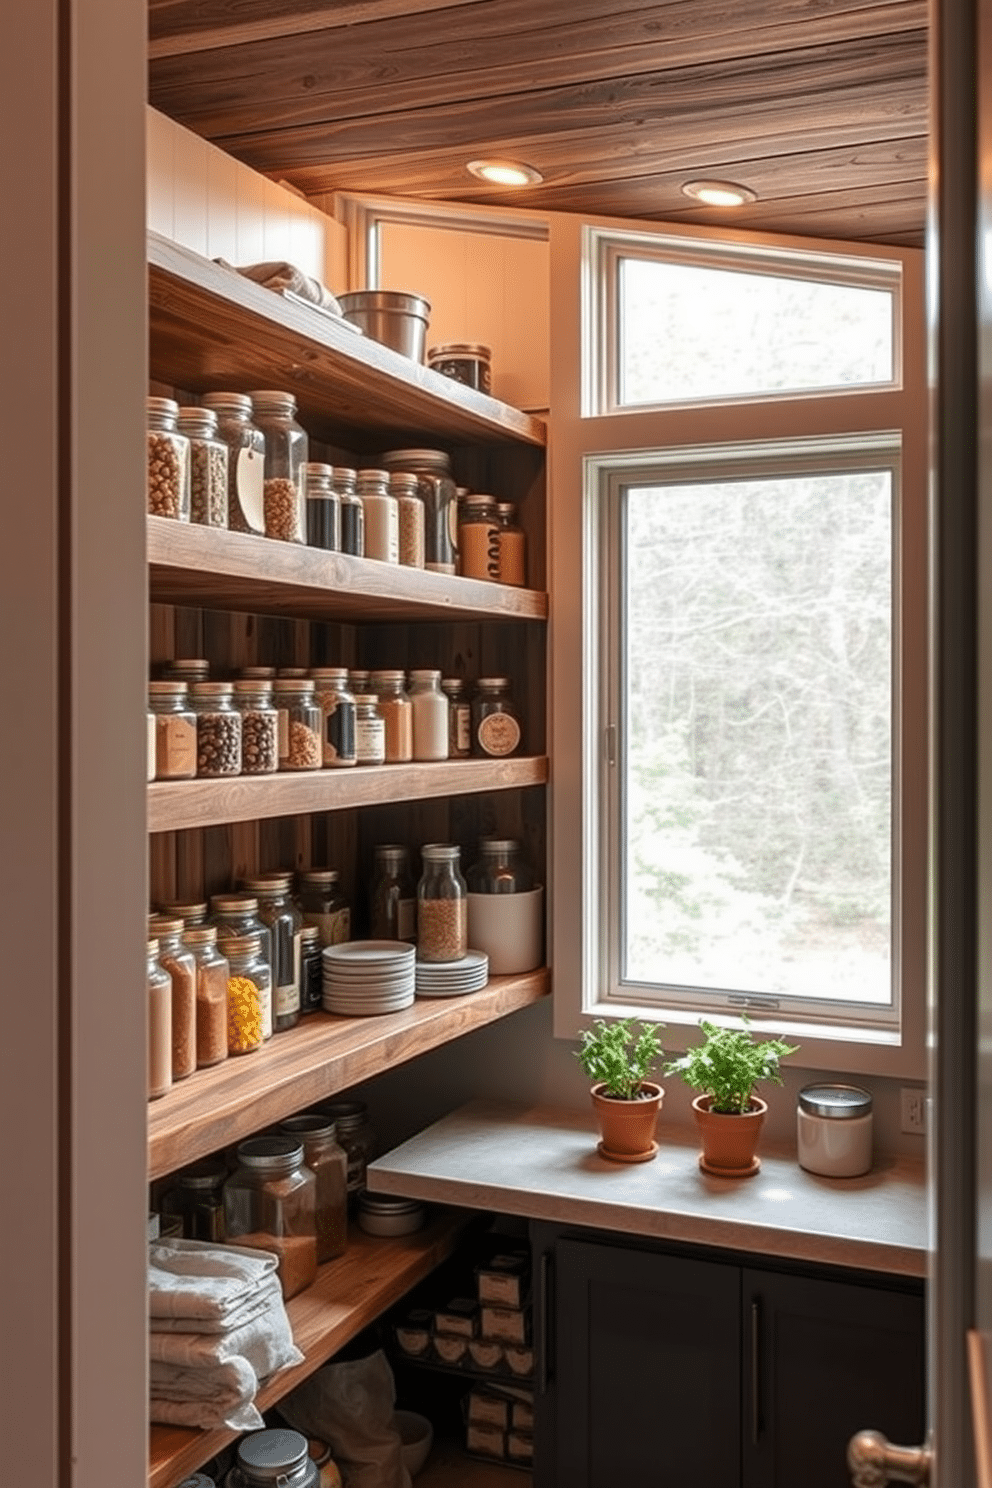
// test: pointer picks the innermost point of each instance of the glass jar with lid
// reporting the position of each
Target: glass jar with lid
(358, 680)
(337, 714)
(323, 904)
(356, 1136)
(500, 868)
(478, 538)
(270, 1204)
(397, 714)
(218, 729)
(512, 546)
(177, 961)
(159, 1024)
(382, 517)
(276, 1458)
(465, 361)
(207, 467)
(175, 730)
(212, 973)
(352, 512)
(168, 462)
(370, 730)
(438, 494)
(323, 507)
(277, 910)
(249, 989)
(187, 669)
(300, 745)
(430, 716)
(393, 897)
(236, 915)
(257, 674)
(198, 1199)
(259, 726)
(404, 486)
(442, 909)
(329, 1164)
(311, 971)
(245, 460)
(495, 725)
(286, 453)
(191, 912)
(459, 717)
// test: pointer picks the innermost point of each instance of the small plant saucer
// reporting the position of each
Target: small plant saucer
(628, 1157)
(718, 1172)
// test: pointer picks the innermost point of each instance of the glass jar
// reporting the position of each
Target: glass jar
(323, 507)
(438, 494)
(355, 1135)
(257, 674)
(512, 546)
(500, 868)
(236, 915)
(311, 971)
(273, 1459)
(382, 516)
(270, 1204)
(397, 714)
(430, 716)
(187, 669)
(249, 988)
(259, 726)
(150, 747)
(277, 910)
(358, 681)
(468, 362)
(442, 909)
(459, 718)
(175, 731)
(352, 511)
(300, 746)
(393, 897)
(218, 729)
(198, 1199)
(495, 726)
(207, 467)
(245, 460)
(370, 730)
(190, 912)
(180, 966)
(329, 1164)
(159, 1024)
(168, 462)
(337, 716)
(323, 904)
(478, 538)
(403, 485)
(212, 973)
(286, 452)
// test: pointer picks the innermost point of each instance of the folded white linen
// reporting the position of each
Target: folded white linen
(265, 1342)
(281, 275)
(256, 1304)
(222, 1395)
(197, 1279)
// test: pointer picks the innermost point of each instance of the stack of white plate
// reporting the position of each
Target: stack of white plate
(453, 978)
(362, 977)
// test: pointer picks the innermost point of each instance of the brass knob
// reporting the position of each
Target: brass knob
(874, 1461)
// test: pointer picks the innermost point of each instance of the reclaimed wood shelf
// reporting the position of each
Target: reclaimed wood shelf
(315, 1060)
(349, 1293)
(211, 329)
(220, 570)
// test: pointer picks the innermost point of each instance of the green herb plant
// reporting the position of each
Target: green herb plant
(729, 1064)
(620, 1055)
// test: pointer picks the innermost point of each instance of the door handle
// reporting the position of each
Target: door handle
(873, 1460)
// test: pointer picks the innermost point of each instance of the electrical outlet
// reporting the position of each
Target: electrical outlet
(913, 1108)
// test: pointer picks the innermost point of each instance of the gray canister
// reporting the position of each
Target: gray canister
(270, 1458)
(834, 1130)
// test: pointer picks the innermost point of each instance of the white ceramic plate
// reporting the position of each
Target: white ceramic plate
(368, 952)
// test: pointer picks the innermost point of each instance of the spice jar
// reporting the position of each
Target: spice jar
(464, 361)
(218, 729)
(352, 511)
(430, 716)
(397, 714)
(438, 494)
(834, 1130)
(323, 904)
(175, 731)
(311, 970)
(512, 546)
(236, 915)
(442, 911)
(495, 726)
(355, 1135)
(270, 1204)
(382, 516)
(274, 1459)
(168, 462)
(249, 988)
(245, 460)
(459, 718)
(180, 966)
(393, 895)
(329, 1164)
(500, 868)
(259, 726)
(208, 467)
(198, 1199)
(403, 485)
(159, 1025)
(478, 538)
(286, 451)
(337, 712)
(300, 746)
(212, 973)
(187, 669)
(323, 507)
(277, 910)
(370, 730)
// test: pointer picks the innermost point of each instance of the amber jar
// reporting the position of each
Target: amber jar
(270, 1204)
(495, 725)
(329, 1164)
(512, 546)
(198, 1199)
(396, 711)
(355, 1135)
(212, 972)
(478, 538)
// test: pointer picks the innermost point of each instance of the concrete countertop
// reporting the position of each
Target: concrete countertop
(541, 1163)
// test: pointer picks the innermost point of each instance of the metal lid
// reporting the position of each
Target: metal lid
(193, 666)
(197, 1480)
(318, 876)
(309, 935)
(217, 690)
(272, 1151)
(416, 459)
(275, 879)
(506, 508)
(403, 480)
(163, 407)
(382, 849)
(308, 1124)
(246, 946)
(489, 845)
(167, 689)
(387, 675)
(152, 945)
(425, 674)
(200, 935)
(285, 685)
(194, 420)
(240, 904)
(164, 925)
(269, 1456)
(202, 1176)
(440, 852)
(272, 400)
(452, 684)
(349, 1112)
(835, 1102)
(257, 673)
(493, 682)
(380, 1203)
(477, 500)
(186, 912)
(253, 687)
(227, 402)
(461, 348)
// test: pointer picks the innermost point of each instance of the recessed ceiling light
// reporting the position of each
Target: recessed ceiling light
(719, 193)
(505, 172)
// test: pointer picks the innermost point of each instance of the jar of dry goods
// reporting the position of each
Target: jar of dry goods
(323, 507)
(270, 1204)
(187, 669)
(512, 546)
(382, 516)
(168, 462)
(337, 712)
(430, 716)
(442, 909)
(212, 972)
(370, 730)
(175, 731)
(249, 989)
(180, 966)
(259, 726)
(311, 970)
(234, 916)
(352, 511)
(495, 725)
(468, 362)
(329, 1164)
(459, 717)
(208, 467)
(403, 485)
(245, 460)
(277, 910)
(198, 1199)
(286, 452)
(355, 1135)
(393, 897)
(218, 729)
(438, 494)
(478, 538)
(323, 904)
(159, 1024)
(300, 745)
(397, 714)
(500, 868)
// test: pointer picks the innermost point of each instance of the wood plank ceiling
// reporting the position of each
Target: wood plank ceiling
(819, 106)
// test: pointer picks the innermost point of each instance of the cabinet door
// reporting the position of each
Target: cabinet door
(822, 1360)
(646, 1369)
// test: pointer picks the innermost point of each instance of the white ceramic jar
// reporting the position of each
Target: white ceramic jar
(834, 1130)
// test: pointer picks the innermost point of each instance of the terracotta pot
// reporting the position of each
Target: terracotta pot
(627, 1126)
(729, 1141)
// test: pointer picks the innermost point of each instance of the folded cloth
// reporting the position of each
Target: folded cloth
(194, 1279)
(221, 1395)
(256, 1304)
(265, 1342)
(281, 275)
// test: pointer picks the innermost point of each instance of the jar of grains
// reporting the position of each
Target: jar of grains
(442, 909)
(337, 715)
(512, 546)
(159, 1025)
(248, 988)
(277, 910)
(300, 745)
(259, 726)
(245, 460)
(495, 726)
(478, 538)
(175, 731)
(430, 716)
(168, 462)
(370, 730)
(438, 494)
(178, 962)
(198, 1199)
(393, 897)
(459, 717)
(397, 714)
(355, 1135)
(218, 729)
(382, 516)
(311, 970)
(323, 507)
(329, 1164)
(188, 669)
(286, 453)
(404, 486)
(235, 915)
(323, 904)
(270, 1204)
(212, 972)
(207, 467)
(352, 512)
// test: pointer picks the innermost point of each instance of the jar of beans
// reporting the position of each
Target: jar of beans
(159, 1025)
(245, 460)
(218, 729)
(286, 453)
(259, 727)
(234, 916)
(247, 985)
(168, 462)
(404, 486)
(323, 507)
(397, 714)
(212, 972)
(208, 467)
(442, 907)
(178, 962)
(175, 731)
(270, 1203)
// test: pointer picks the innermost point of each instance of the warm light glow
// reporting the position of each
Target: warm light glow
(719, 193)
(505, 172)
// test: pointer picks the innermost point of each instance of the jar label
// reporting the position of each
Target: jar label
(499, 733)
(339, 730)
(249, 480)
(287, 999)
(463, 727)
(175, 746)
(370, 741)
(335, 928)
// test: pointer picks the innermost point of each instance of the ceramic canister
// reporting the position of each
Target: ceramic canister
(834, 1130)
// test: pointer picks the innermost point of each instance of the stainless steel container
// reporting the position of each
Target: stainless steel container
(395, 318)
(834, 1130)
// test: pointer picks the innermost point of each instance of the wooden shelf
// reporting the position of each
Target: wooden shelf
(211, 330)
(220, 570)
(320, 1057)
(348, 1294)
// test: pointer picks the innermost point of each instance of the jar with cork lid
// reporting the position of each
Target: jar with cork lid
(218, 729)
(208, 467)
(212, 972)
(442, 909)
(259, 726)
(175, 730)
(168, 462)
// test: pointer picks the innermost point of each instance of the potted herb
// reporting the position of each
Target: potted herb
(726, 1067)
(617, 1057)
